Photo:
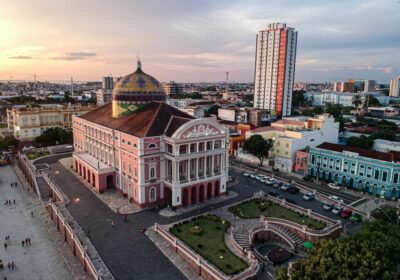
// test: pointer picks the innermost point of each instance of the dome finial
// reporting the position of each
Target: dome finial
(139, 64)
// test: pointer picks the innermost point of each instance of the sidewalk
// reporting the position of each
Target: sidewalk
(43, 259)
(113, 199)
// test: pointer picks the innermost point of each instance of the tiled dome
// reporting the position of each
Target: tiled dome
(138, 82)
(134, 91)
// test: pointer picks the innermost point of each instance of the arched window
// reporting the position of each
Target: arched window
(396, 178)
(312, 159)
(376, 177)
(152, 172)
(152, 146)
(153, 194)
(384, 175)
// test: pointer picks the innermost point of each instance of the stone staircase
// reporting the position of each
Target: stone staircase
(296, 240)
(243, 240)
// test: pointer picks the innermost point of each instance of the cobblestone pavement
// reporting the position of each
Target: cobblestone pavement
(41, 260)
(113, 199)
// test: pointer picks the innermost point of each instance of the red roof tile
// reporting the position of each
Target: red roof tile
(390, 156)
(152, 120)
(268, 128)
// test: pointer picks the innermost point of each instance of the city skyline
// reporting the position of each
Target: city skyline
(193, 41)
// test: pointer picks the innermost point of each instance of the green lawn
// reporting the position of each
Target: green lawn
(35, 155)
(205, 235)
(256, 207)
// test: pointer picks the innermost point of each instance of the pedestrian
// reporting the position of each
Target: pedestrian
(23, 243)
(14, 201)
(125, 218)
(32, 214)
(12, 265)
(26, 241)
(29, 241)
(9, 266)
(112, 223)
(5, 246)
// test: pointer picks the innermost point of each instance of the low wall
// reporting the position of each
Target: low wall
(198, 263)
(71, 231)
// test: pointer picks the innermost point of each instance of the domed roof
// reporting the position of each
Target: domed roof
(138, 82)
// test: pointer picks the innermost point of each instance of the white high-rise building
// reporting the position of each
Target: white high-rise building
(274, 68)
(395, 87)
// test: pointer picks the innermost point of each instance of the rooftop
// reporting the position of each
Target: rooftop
(154, 119)
(391, 156)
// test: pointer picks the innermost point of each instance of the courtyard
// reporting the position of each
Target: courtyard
(254, 208)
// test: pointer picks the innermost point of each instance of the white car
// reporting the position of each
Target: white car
(309, 196)
(285, 187)
(337, 210)
(246, 174)
(252, 176)
(336, 198)
(273, 180)
(333, 186)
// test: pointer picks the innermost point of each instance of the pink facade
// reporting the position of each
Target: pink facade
(301, 163)
(186, 167)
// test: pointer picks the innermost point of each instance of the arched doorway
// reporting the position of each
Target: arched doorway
(360, 186)
(193, 197)
(110, 182)
(329, 176)
(167, 195)
(394, 193)
(336, 179)
(201, 193)
(351, 183)
(93, 180)
(311, 174)
(323, 177)
(84, 172)
(185, 197)
(216, 189)
(368, 187)
(344, 181)
(209, 191)
(375, 189)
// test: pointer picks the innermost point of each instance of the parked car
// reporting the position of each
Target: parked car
(293, 190)
(334, 197)
(334, 186)
(277, 185)
(291, 201)
(267, 182)
(327, 206)
(253, 175)
(356, 218)
(246, 174)
(273, 180)
(275, 194)
(336, 210)
(285, 187)
(346, 213)
(309, 196)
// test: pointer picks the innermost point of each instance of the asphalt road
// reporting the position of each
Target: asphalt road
(128, 252)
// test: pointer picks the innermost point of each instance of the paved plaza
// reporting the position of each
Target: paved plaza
(41, 260)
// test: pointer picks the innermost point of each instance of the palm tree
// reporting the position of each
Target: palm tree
(357, 101)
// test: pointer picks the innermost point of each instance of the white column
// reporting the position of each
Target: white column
(197, 169)
(187, 169)
(173, 163)
(212, 165)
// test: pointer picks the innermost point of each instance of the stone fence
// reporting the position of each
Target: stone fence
(197, 262)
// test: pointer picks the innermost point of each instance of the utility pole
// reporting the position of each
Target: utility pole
(72, 87)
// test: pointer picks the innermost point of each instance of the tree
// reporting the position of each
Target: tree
(357, 101)
(7, 142)
(213, 109)
(298, 98)
(257, 146)
(371, 253)
(53, 136)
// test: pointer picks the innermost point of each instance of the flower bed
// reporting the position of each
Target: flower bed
(254, 208)
(205, 235)
(35, 155)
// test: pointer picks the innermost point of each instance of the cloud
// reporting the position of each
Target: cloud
(21, 57)
(70, 56)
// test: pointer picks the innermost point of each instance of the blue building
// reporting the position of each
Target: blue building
(361, 169)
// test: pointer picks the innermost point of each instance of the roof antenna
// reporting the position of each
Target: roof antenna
(139, 64)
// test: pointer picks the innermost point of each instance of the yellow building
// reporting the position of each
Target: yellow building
(28, 122)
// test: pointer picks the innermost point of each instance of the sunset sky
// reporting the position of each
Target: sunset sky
(195, 40)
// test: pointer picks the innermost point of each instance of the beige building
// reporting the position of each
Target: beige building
(291, 134)
(26, 122)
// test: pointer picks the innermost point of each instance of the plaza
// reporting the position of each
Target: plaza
(41, 260)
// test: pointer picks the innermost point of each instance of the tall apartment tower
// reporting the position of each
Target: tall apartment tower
(395, 87)
(274, 68)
